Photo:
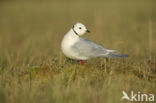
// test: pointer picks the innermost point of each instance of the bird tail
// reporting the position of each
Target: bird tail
(117, 56)
(112, 51)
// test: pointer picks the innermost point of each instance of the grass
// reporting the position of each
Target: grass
(34, 70)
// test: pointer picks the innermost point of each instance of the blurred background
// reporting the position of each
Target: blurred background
(30, 26)
(31, 32)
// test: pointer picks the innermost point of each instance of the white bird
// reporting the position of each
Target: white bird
(78, 48)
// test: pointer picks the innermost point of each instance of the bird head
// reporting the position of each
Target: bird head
(79, 29)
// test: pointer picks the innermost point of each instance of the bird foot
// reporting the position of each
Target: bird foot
(81, 62)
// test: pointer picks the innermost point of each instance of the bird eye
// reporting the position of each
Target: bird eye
(80, 28)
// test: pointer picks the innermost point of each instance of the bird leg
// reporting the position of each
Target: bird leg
(81, 62)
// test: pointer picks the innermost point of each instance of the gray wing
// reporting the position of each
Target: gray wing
(88, 49)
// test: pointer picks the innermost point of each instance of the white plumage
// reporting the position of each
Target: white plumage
(76, 47)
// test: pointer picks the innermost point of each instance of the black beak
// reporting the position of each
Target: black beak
(88, 31)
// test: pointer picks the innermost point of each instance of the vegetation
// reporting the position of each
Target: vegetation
(34, 70)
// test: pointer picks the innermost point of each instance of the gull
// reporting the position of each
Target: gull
(74, 46)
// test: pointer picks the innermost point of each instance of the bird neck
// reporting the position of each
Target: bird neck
(75, 31)
(70, 38)
(72, 34)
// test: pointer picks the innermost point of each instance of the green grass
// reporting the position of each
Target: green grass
(34, 70)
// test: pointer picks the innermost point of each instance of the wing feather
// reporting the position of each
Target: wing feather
(85, 47)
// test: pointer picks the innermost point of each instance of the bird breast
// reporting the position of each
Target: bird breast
(67, 42)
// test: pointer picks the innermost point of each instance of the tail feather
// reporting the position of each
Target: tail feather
(118, 55)
(112, 51)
